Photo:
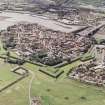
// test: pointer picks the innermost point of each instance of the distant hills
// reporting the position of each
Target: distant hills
(97, 3)
(41, 1)
(28, 1)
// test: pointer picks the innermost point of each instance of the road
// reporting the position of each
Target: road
(30, 85)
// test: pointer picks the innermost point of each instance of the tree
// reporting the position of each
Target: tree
(7, 56)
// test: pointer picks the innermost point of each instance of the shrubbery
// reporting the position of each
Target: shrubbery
(42, 58)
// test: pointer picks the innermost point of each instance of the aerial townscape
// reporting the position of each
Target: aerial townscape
(52, 52)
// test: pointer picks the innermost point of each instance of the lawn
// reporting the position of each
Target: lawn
(64, 91)
(11, 95)
(6, 76)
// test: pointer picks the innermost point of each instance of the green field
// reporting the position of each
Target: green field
(62, 91)
(6, 76)
(63, 88)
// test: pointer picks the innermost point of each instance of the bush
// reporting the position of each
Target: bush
(16, 61)
(102, 41)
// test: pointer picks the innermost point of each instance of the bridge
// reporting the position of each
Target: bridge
(90, 30)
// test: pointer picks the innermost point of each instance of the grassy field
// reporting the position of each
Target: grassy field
(6, 76)
(62, 91)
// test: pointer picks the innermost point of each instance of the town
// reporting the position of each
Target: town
(52, 52)
(45, 45)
